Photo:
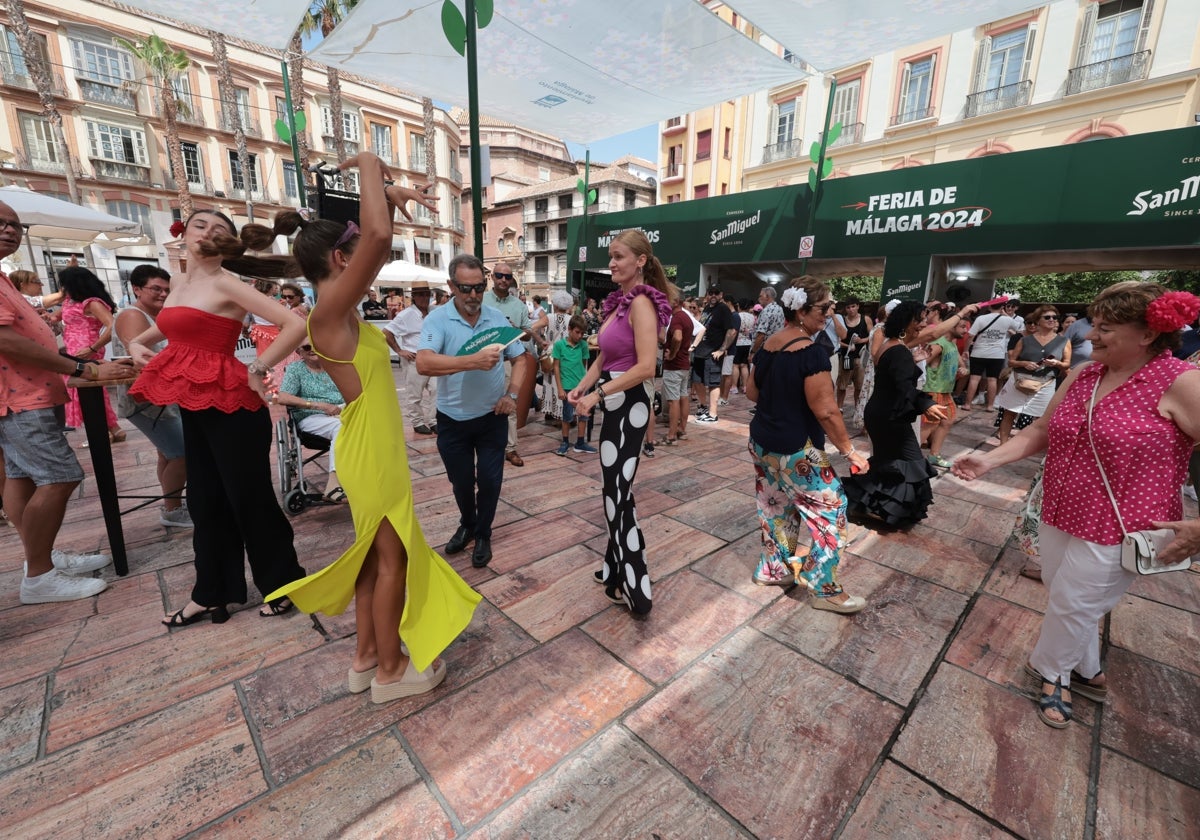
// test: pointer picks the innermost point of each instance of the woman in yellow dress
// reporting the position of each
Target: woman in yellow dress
(402, 588)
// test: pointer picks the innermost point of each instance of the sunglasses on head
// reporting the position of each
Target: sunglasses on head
(500, 275)
(476, 289)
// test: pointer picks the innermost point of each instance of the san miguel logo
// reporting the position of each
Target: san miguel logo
(885, 212)
(1150, 200)
(734, 228)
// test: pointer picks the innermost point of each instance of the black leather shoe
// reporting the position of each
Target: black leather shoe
(483, 552)
(459, 541)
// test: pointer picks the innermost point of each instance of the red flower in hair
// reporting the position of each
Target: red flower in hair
(177, 228)
(1172, 311)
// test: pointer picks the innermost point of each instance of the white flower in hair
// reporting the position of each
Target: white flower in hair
(890, 305)
(794, 298)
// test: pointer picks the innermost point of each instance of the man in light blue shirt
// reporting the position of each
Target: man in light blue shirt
(517, 313)
(472, 403)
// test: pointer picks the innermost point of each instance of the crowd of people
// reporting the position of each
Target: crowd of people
(1103, 393)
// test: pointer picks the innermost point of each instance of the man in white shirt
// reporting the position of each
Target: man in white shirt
(403, 334)
(987, 348)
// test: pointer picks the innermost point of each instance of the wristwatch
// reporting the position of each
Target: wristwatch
(512, 396)
(80, 368)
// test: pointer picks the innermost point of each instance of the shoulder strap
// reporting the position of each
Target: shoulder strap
(790, 343)
(994, 320)
(1099, 463)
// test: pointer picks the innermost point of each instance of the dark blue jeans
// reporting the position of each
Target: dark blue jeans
(473, 452)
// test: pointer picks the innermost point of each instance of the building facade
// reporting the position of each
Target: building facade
(115, 132)
(1067, 72)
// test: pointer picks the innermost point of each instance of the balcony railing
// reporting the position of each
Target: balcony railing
(851, 133)
(107, 94)
(121, 171)
(547, 214)
(204, 187)
(1102, 74)
(40, 164)
(999, 99)
(386, 157)
(24, 80)
(351, 145)
(782, 151)
(913, 115)
(455, 175)
(458, 226)
(187, 111)
(249, 127)
(259, 196)
(671, 170)
(542, 245)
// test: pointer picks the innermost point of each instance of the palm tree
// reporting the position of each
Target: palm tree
(295, 71)
(324, 15)
(166, 66)
(231, 114)
(39, 72)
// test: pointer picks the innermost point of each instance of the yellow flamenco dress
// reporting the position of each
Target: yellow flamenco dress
(373, 470)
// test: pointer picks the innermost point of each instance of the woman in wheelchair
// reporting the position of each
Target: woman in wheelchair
(400, 586)
(315, 404)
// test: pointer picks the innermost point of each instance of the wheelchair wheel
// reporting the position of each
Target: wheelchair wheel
(294, 502)
(283, 457)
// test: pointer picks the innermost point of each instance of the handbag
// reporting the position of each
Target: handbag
(1029, 384)
(547, 362)
(1139, 549)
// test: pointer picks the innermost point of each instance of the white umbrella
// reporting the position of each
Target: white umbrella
(402, 273)
(46, 217)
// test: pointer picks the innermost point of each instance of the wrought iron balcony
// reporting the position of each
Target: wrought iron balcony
(851, 133)
(249, 127)
(782, 151)
(351, 145)
(671, 170)
(187, 111)
(540, 246)
(94, 91)
(458, 226)
(117, 170)
(40, 164)
(24, 80)
(1102, 74)
(999, 99)
(547, 214)
(204, 187)
(455, 175)
(258, 196)
(913, 115)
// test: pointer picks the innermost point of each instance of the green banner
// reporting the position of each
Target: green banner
(1141, 191)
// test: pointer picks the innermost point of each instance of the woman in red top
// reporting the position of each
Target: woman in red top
(1135, 411)
(226, 423)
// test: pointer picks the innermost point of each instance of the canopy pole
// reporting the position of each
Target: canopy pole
(291, 124)
(812, 207)
(587, 171)
(477, 186)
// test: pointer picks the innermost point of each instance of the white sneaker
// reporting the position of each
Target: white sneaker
(722, 402)
(78, 564)
(56, 586)
(178, 518)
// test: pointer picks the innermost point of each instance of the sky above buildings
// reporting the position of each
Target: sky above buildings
(642, 142)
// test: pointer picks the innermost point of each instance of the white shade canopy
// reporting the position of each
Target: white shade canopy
(49, 218)
(830, 34)
(403, 274)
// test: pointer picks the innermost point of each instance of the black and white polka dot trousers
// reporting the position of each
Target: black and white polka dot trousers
(626, 415)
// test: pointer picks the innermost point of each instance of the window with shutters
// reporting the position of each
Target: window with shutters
(916, 91)
(193, 168)
(39, 140)
(704, 144)
(236, 178)
(1002, 76)
(785, 121)
(1113, 45)
(116, 142)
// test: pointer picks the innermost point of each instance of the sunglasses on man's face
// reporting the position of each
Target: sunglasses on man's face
(476, 289)
(500, 275)
(287, 297)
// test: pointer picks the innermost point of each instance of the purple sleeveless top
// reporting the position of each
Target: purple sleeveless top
(616, 336)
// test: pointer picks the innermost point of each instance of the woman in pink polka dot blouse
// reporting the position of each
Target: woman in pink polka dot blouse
(1145, 422)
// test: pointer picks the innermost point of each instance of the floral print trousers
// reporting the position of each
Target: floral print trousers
(797, 494)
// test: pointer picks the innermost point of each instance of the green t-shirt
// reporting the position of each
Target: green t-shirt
(572, 361)
(940, 379)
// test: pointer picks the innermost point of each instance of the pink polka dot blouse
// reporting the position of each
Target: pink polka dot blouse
(1145, 455)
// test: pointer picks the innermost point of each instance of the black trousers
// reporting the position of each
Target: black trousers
(473, 452)
(232, 502)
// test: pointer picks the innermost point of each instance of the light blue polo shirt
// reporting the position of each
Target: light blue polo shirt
(472, 393)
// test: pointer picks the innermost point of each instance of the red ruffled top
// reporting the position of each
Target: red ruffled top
(197, 368)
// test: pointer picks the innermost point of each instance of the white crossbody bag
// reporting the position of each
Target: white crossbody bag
(1139, 549)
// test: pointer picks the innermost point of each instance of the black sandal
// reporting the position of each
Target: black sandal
(1054, 702)
(281, 607)
(218, 615)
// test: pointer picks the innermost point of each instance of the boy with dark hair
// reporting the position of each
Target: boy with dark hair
(570, 355)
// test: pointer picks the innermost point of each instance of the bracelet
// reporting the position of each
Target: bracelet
(258, 368)
(308, 404)
(600, 391)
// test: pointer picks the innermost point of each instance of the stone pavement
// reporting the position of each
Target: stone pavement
(735, 711)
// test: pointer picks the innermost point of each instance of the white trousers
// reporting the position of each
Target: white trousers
(1085, 581)
(420, 395)
(511, 445)
(323, 426)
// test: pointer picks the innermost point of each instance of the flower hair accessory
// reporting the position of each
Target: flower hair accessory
(1172, 311)
(794, 298)
(177, 228)
(890, 305)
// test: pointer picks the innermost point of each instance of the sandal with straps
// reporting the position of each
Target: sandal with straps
(281, 607)
(1054, 702)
